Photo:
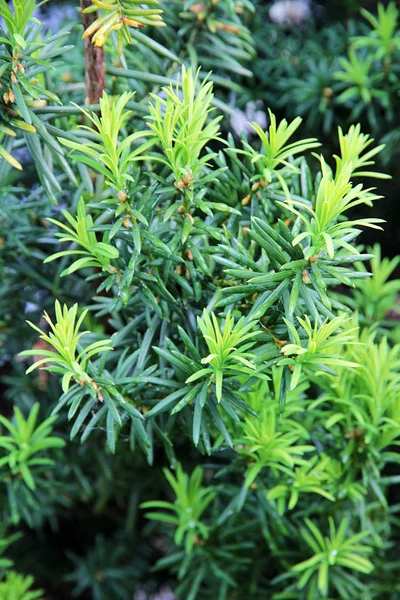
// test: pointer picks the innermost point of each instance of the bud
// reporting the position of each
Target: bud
(189, 217)
(131, 23)
(196, 8)
(66, 77)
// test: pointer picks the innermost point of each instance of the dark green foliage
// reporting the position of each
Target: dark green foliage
(200, 358)
(336, 74)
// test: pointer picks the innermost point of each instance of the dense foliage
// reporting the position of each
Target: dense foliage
(200, 355)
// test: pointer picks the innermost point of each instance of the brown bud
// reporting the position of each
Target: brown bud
(13, 77)
(189, 255)
(305, 277)
(188, 178)
(131, 23)
(66, 77)
(246, 200)
(181, 208)
(226, 27)
(196, 8)
(189, 216)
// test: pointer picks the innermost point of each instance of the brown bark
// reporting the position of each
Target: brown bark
(94, 61)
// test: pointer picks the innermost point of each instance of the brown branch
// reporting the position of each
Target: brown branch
(94, 60)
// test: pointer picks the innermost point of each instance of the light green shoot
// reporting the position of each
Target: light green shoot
(228, 346)
(319, 350)
(384, 36)
(191, 502)
(108, 155)
(276, 150)
(331, 553)
(17, 587)
(352, 145)
(65, 358)
(17, 20)
(23, 442)
(376, 295)
(179, 123)
(271, 441)
(118, 15)
(336, 195)
(305, 479)
(95, 254)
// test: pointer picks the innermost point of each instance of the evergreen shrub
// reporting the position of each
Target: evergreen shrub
(200, 357)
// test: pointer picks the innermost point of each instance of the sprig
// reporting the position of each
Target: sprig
(323, 223)
(228, 346)
(352, 145)
(191, 502)
(376, 295)
(18, 587)
(321, 348)
(276, 151)
(66, 358)
(104, 151)
(310, 478)
(95, 254)
(331, 555)
(180, 125)
(270, 441)
(383, 37)
(118, 16)
(23, 442)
